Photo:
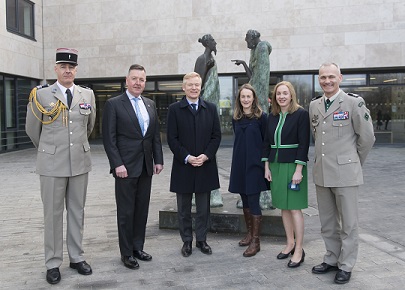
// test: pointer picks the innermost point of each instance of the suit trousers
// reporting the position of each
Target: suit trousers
(132, 196)
(338, 213)
(55, 191)
(184, 203)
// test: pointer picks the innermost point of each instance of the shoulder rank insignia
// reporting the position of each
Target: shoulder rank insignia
(315, 98)
(353, 95)
(42, 86)
(84, 87)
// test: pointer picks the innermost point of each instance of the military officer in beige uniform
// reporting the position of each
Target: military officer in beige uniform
(59, 121)
(343, 133)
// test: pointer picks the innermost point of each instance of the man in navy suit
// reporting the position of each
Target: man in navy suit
(131, 138)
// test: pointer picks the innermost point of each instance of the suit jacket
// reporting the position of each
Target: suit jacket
(123, 139)
(343, 137)
(193, 133)
(295, 130)
(63, 150)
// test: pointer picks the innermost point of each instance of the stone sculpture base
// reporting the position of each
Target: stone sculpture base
(226, 219)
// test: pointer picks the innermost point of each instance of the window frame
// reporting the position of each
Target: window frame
(15, 26)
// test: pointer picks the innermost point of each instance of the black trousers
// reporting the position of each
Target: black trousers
(132, 197)
(202, 202)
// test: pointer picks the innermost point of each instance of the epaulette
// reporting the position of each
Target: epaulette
(42, 86)
(353, 95)
(84, 87)
(315, 98)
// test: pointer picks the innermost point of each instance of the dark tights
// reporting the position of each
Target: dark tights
(252, 201)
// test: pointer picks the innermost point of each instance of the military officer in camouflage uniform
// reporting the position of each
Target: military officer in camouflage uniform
(59, 121)
(343, 134)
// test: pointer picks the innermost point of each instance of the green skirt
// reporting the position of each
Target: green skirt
(282, 196)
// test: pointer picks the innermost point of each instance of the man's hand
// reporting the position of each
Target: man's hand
(157, 168)
(121, 171)
(197, 161)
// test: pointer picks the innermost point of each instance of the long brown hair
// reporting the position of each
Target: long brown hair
(275, 107)
(256, 109)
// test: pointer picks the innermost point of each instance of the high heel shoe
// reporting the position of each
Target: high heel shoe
(292, 264)
(281, 255)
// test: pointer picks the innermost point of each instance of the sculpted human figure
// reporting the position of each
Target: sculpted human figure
(206, 67)
(258, 70)
(258, 73)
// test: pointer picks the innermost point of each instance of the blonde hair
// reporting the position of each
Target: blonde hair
(191, 75)
(275, 107)
(256, 109)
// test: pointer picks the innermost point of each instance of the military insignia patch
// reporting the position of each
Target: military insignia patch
(366, 116)
(361, 104)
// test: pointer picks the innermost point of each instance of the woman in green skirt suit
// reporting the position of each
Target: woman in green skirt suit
(285, 153)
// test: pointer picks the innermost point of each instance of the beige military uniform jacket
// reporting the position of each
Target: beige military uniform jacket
(63, 147)
(343, 137)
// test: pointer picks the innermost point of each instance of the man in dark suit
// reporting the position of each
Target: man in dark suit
(132, 142)
(193, 135)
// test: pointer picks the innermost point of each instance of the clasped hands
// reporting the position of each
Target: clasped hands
(197, 161)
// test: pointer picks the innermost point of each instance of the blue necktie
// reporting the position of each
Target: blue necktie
(194, 107)
(138, 114)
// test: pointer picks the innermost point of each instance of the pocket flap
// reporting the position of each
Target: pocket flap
(346, 159)
(49, 149)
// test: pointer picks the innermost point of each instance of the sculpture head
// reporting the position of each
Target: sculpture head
(252, 38)
(209, 42)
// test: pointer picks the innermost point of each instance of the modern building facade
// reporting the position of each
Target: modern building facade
(365, 37)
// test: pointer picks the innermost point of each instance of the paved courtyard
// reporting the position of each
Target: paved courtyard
(381, 262)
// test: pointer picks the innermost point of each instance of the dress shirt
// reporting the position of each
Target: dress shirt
(142, 107)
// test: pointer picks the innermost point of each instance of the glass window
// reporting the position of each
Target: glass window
(387, 79)
(20, 17)
(10, 103)
(303, 88)
(226, 103)
(353, 80)
(170, 86)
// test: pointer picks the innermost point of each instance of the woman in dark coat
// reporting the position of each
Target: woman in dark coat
(247, 170)
(285, 153)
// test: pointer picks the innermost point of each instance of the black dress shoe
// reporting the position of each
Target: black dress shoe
(186, 250)
(292, 264)
(141, 255)
(204, 248)
(323, 268)
(342, 277)
(53, 276)
(82, 267)
(281, 255)
(130, 262)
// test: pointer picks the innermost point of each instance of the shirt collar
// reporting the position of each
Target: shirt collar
(334, 96)
(131, 96)
(63, 89)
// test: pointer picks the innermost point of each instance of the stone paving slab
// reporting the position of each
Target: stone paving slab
(381, 262)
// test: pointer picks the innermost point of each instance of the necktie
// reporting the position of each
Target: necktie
(138, 114)
(194, 107)
(327, 104)
(69, 97)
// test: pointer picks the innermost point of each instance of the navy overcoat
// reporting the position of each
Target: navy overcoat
(193, 133)
(247, 170)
